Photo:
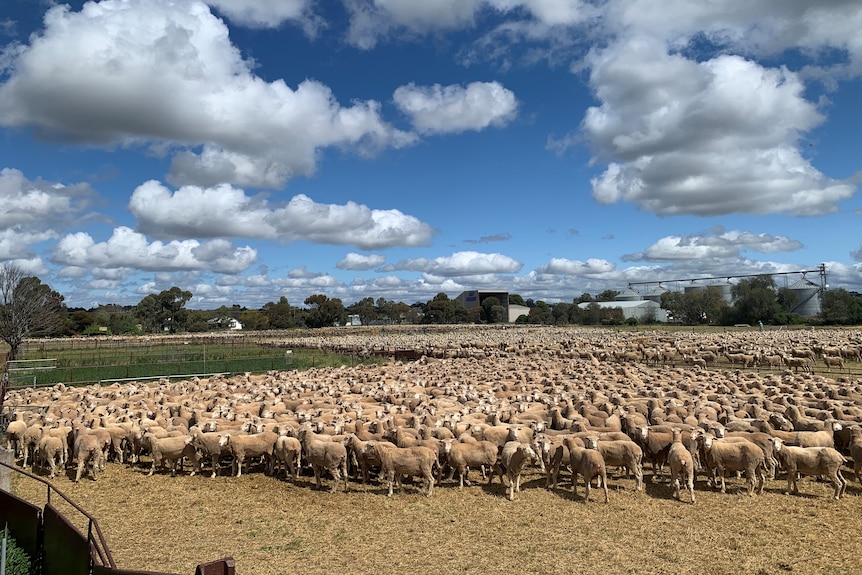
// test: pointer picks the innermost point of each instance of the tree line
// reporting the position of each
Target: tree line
(30, 308)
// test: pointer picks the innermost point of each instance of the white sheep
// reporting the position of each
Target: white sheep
(172, 450)
(397, 462)
(723, 456)
(681, 464)
(463, 456)
(513, 459)
(243, 446)
(589, 464)
(824, 461)
(620, 453)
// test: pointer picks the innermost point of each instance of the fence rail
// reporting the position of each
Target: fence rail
(55, 545)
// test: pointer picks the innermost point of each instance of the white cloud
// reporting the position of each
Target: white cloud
(166, 74)
(39, 204)
(15, 244)
(225, 211)
(129, 249)
(567, 267)
(451, 109)
(459, 264)
(721, 245)
(360, 262)
(267, 13)
(373, 20)
(707, 138)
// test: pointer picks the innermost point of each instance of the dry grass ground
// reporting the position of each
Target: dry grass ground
(272, 526)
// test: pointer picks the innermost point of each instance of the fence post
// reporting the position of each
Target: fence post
(7, 456)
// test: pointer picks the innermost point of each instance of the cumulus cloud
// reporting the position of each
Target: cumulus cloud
(100, 76)
(373, 20)
(724, 245)
(704, 138)
(268, 13)
(129, 249)
(451, 109)
(225, 211)
(39, 204)
(360, 262)
(459, 264)
(567, 267)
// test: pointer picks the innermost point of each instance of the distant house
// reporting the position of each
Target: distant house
(225, 322)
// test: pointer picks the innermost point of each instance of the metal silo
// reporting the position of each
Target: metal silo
(807, 303)
(725, 288)
(655, 294)
(629, 295)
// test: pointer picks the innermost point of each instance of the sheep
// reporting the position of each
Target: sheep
(52, 451)
(764, 442)
(681, 464)
(173, 450)
(396, 462)
(855, 449)
(833, 361)
(463, 456)
(242, 446)
(553, 453)
(824, 461)
(589, 464)
(513, 458)
(655, 445)
(286, 452)
(15, 434)
(324, 455)
(823, 438)
(362, 456)
(88, 451)
(209, 444)
(722, 456)
(620, 453)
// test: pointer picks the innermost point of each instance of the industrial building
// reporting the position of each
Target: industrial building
(473, 299)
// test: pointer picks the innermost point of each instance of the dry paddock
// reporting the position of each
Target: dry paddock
(273, 526)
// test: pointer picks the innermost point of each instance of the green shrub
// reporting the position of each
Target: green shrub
(17, 562)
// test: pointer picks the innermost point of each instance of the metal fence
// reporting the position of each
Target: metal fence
(53, 542)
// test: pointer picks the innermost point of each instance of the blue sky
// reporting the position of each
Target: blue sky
(251, 149)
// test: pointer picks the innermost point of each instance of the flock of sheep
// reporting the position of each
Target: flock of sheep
(494, 401)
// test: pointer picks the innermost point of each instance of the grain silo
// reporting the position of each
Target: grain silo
(629, 295)
(807, 301)
(655, 294)
(725, 288)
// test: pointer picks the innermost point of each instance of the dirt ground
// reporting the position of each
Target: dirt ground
(272, 526)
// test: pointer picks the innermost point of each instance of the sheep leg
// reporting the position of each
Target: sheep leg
(605, 487)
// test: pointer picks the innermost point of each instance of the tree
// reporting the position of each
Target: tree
(838, 306)
(324, 312)
(492, 310)
(27, 308)
(280, 314)
(165, 310)
(696, 307)
(755, 300)
(607, 295)
(515, 299)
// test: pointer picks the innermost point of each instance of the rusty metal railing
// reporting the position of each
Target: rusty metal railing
(95, 537)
